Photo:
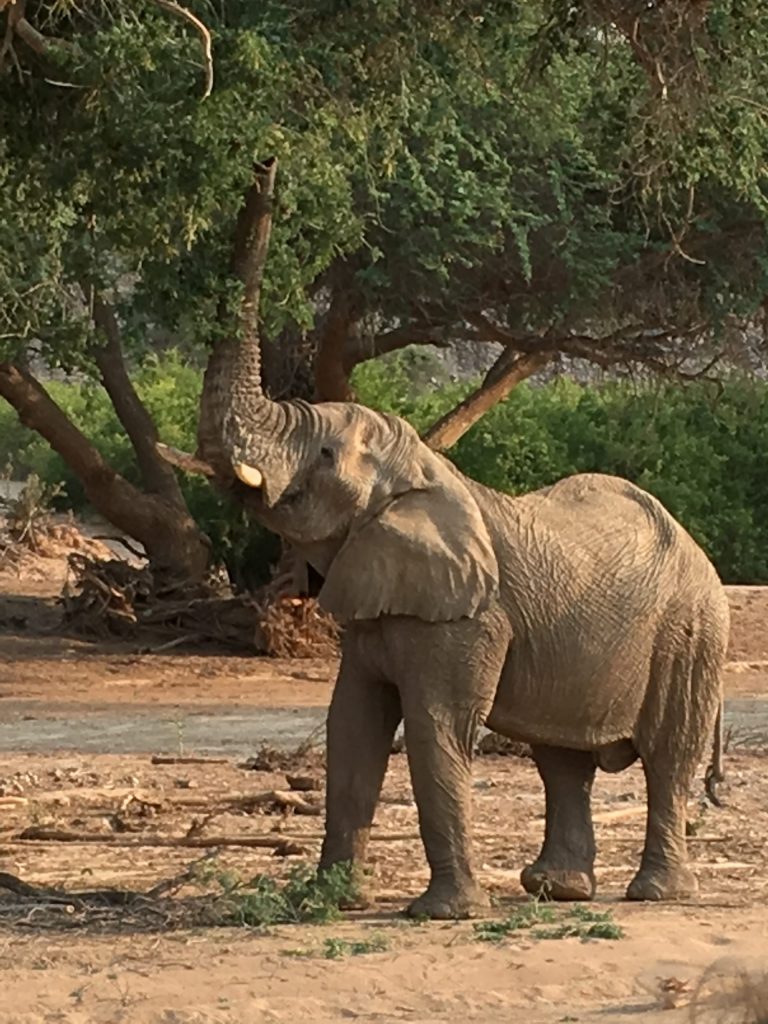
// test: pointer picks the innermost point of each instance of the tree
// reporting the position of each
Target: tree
(461, 172)
(54, 291)
(562, 202)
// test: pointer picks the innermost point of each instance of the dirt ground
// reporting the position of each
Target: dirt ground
(128, 806)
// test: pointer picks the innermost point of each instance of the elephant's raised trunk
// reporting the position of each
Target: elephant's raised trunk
(241, 432)
(234, 412)
(233, 408)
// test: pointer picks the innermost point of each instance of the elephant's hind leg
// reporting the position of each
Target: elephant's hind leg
(676, 724)
(564, 870)
(664, 870)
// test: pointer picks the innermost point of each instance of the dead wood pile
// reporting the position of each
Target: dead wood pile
(114, 599)
(29, 552)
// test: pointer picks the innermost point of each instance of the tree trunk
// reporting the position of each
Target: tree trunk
(507, 372)
(331, 375)
(171, 538)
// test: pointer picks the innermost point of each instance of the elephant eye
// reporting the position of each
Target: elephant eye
(326, 453)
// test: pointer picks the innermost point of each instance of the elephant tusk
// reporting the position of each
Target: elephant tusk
(182, 460)
(248, 475)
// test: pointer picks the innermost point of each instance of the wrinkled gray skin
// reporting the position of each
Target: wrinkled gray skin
(581, 618)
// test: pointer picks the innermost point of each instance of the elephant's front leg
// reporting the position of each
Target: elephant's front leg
(448, 674)
(362, 721)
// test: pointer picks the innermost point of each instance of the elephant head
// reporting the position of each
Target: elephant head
(389, 523)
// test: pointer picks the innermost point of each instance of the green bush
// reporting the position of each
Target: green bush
(699, 449)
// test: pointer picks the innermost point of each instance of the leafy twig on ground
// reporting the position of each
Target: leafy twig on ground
(261, 902)
(544, 922)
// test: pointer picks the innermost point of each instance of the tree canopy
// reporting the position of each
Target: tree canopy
(500, 170)
(588, 179)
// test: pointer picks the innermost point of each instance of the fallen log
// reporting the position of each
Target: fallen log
(282, 845)
(103, 897)
(284, 799)
(169, 759)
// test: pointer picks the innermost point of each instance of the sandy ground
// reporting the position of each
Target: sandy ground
(425, 973)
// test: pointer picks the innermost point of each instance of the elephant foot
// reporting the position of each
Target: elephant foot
(449, 901)
(666, 883)
(557, 883)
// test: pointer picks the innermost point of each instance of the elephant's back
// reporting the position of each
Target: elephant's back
(603, 524)
(620, 556)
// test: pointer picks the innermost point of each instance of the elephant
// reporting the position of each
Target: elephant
(581, 619)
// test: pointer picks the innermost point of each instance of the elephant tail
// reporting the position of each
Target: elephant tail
(715, 774)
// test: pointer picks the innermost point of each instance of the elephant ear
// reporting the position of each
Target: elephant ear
(427, 554)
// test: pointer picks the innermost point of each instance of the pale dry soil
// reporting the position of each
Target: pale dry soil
(123, 705)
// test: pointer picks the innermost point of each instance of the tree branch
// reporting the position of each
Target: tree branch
(17, 25)
(35, 40)
(507, 372)
(39, 43)
(361, 349)
(169, 535)
(205, 35)
(157, 475)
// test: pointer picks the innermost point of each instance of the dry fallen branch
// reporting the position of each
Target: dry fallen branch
(307, 755)
(271, 799)
(104, 897)
(494, 743)
(293, 627)
(43, 907)
(303, 783)
(635, 811)
(112, 598)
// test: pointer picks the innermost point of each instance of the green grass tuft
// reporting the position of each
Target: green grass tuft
(544, 922)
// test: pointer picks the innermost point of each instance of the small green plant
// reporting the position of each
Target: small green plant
(179, 724)
(334, 948)
(306, 897)
(522, 919)
(579, 922)
(583, 923)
